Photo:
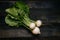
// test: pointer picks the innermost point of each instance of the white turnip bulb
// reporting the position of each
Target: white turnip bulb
(38, 23)
(32, 25)
(36, 30)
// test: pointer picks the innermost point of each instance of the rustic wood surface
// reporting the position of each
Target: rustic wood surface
(49, 14)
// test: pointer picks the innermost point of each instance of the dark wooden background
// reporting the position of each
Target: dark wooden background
(47, 11)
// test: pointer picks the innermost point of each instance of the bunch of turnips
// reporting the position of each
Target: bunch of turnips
(18, 15)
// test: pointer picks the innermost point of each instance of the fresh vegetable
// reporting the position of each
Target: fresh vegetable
(32, 25)
(38, 23)
(36, 30)
(18, 14)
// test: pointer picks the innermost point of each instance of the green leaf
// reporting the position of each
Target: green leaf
(12, 11)
(10, 21)
(17, 12)
(12, 17)
(20, 5)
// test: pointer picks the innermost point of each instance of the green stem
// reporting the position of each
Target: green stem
(28, 18)
(27, 27)
(25, 22)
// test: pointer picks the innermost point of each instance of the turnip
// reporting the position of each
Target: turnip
(19, 12)
(32, 25)
(36, 30)
(38, 23)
